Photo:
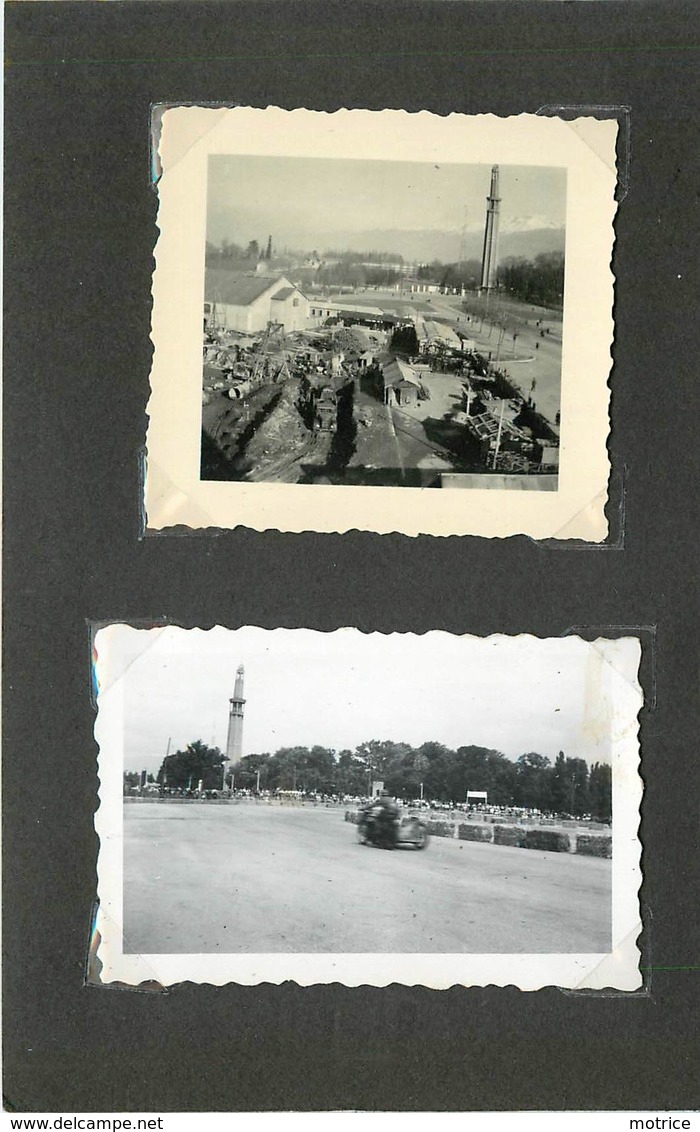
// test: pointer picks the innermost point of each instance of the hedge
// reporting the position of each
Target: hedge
(474, 832)
(509, 835)
(547, 839)
(593, 845)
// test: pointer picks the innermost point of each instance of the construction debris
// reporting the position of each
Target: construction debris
(283, 393)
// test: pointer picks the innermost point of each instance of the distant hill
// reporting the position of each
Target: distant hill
(425, 245)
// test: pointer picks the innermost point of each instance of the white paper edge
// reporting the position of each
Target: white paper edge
(174, 494)
(616, 677)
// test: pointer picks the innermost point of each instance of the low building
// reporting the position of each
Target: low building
(433, 336)
(247, 303)
(401, 385)
(320, 310)
(420, 286)
(371, 317)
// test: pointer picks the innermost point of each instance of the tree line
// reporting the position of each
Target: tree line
(566, 786)
(339, 268)
(350, 274)
(539, 281)
(372, 256)
(465, 273)
(231, 255)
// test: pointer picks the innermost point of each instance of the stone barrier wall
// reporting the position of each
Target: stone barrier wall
(440, 828)
(549, 839)
(509, 835)
(594, 845)
(521, 837)
(469, 832)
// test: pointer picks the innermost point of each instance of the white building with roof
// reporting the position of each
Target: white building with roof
(247, 303)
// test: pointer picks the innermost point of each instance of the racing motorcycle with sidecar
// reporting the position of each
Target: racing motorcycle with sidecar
(410, 831)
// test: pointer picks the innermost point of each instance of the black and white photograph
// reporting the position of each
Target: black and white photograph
(383, 323)
(413, 304)
(360, 807)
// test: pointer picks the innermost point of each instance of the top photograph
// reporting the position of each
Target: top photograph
(426, 323)
(410, 336)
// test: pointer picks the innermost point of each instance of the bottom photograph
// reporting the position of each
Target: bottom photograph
(366, 808)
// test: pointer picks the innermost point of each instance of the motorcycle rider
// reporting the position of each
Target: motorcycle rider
(386, 817)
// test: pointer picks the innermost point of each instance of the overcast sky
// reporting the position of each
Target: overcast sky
(339, 689)
(304, 202)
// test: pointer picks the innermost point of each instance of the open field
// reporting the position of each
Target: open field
(257, 878)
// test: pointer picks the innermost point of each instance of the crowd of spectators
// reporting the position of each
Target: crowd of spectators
(445, 810)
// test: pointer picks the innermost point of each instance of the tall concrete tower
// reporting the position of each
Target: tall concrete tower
(489, 260)
(234, 743)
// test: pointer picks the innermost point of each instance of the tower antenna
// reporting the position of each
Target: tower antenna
(489, 259)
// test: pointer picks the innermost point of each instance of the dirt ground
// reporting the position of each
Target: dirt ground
(264, 436)
(261, 878)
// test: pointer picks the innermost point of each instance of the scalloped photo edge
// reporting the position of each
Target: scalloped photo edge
(269, 870)
(176, 498)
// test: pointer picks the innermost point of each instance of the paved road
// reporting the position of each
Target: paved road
(543, 354)
(257, 878)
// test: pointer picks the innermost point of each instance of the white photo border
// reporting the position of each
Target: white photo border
(617, 703)
(174, 494)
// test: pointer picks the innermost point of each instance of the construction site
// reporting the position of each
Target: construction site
(392, 377)
(370, 396)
